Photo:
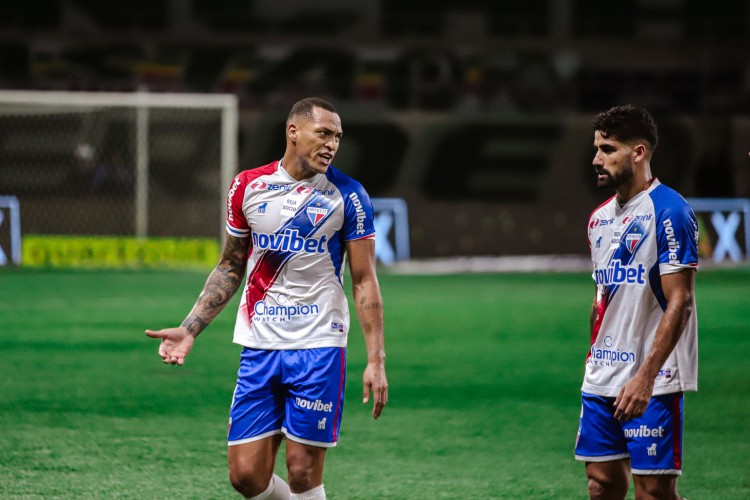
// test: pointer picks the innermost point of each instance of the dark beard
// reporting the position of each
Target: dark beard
(615, 181)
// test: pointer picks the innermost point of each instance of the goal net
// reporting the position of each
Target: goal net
(118, 164)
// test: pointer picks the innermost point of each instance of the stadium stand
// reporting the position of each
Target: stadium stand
(501, 96)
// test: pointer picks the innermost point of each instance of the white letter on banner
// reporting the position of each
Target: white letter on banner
(383, 250)
(725, 230)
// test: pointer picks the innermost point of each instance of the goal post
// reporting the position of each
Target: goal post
(178, 147)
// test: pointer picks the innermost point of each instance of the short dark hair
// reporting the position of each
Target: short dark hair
(304, 108)
(626, 123)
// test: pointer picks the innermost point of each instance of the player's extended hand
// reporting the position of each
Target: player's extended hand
(374, 380)
(633, 398)
(175, 344)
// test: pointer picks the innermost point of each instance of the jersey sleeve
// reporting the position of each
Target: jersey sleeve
(359, 222)
(677, 238)
(236, 222)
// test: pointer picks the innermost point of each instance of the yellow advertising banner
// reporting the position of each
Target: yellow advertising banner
(118, 252)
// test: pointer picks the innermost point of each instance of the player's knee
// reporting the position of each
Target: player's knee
(656, 489)
(300, 476)
(247, 482)
(605, 488)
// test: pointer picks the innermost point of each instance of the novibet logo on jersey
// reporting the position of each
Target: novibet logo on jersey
(616, 274)
(360, 211)
(289, 241)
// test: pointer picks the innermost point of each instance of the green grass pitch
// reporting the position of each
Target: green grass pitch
(484, 374)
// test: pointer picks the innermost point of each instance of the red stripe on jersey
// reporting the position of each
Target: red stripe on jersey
(676, 432)
(269, 264)
(368, 237)
(263, 276)
(236, 196)
(601, 308)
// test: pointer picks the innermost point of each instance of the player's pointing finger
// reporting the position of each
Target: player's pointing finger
(161, 334)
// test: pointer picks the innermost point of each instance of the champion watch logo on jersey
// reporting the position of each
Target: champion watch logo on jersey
(316, 214)
(258, 185)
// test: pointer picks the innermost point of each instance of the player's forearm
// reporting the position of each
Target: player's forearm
(369, 306)
(667, 335)
(220, 287)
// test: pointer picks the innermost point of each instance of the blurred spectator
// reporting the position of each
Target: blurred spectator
(90, 175)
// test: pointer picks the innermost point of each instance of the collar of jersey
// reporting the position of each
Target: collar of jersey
(632, 201)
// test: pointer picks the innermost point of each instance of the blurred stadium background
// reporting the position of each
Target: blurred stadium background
(475, 113)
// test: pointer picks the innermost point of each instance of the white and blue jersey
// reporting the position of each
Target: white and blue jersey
(632, 246)
(294, 295)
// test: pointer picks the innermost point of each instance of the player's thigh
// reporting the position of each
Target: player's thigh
(315, 380)
(257, 409)
(253, 461)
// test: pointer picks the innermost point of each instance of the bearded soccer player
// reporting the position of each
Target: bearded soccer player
(289, 224)
(644, 340)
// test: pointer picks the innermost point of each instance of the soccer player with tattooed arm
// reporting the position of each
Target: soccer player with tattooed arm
(290, 225)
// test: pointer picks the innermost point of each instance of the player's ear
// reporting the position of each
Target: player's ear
(639, 152)
(291, 132)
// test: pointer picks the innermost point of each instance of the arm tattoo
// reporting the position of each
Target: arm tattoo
(373, 305)
(220, 287)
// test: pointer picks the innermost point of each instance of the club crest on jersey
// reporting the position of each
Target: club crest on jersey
(316, 214)
(632, 240)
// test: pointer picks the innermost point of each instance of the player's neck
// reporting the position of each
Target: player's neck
(295, 169)
(639, 183)
(625, 194)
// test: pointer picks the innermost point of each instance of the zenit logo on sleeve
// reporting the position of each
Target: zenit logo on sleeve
(600, 222)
